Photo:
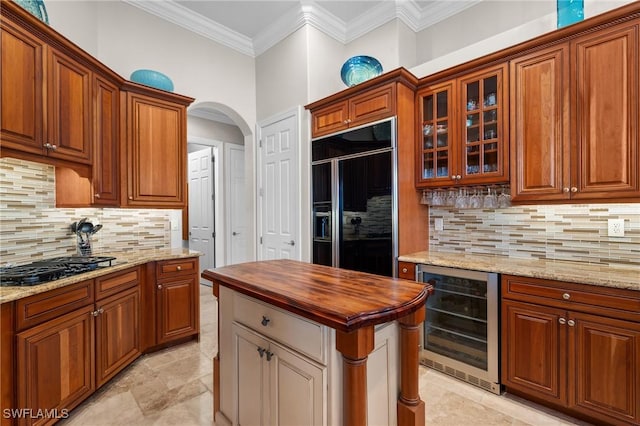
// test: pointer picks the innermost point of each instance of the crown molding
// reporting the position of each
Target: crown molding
(309, 13)
(174, 12)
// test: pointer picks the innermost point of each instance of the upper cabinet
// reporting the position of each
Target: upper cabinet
(113, 142)
(155, 152)
(574, 119)
(354, 111)
(56, 123)
(462, 136)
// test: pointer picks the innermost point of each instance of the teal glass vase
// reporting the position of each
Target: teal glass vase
(570, 12)
(36, 8)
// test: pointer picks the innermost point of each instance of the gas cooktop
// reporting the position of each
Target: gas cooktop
(51, 269)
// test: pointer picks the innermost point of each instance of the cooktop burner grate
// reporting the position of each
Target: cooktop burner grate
(51, 269)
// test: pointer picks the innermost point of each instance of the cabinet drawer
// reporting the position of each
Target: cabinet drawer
(118, 281)
(177, 266)
(41, 307)
(291, 330)
(407, 270)
(571, 295)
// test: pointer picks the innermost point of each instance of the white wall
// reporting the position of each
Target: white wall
(203, 128)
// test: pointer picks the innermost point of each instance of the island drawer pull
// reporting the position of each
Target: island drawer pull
(265, 321)
(566, 296)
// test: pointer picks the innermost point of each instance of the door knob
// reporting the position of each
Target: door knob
(234, 233)
(290, 243)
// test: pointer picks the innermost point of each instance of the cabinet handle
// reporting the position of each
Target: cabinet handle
(565, 189)
(347, 121)
(269, 355)
(562, 321)
(566, 296)
(97, 195)
(265, 321)
(50, 146)
(179, 268)
(94, 313)
(571, 323)
(261, 351)
(159, 286)
(404, 270)
(574, 189)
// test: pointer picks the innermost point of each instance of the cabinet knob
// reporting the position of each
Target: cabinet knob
(159, 286)
(131, 197)
(261, 351)
(458, 177)
(97, 195)
(50, 146)
(405, 270)
(265, 321)
(179, 268)
(269, 355)
(94, 313)
(571, 323)
(565, 189)
(562, 321)
(566, 296)
(574, 189)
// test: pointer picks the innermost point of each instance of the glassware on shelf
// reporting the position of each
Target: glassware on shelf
(504, 199)
(437, 198)
(462, 200)
(451, 198)
(476, 201)
(491, 199)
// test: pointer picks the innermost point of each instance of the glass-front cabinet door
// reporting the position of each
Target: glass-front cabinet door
(485, 115)
(464, 130)
(436, 155)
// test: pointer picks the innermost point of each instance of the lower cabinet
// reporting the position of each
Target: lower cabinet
(278, 368)
(177, 299)
(270, 376)
(117, 334)
(55, 363)
(574, 347)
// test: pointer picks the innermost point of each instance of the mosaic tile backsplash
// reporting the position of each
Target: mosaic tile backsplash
(575, 232)
(31, 227)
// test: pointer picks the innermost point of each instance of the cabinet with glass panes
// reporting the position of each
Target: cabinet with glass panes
(464, 130)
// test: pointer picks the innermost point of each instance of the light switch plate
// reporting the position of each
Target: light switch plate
(616, 227)
(439, 224)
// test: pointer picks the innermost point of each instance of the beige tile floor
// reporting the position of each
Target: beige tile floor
(174, 387)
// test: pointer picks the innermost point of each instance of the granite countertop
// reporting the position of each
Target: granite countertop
(124, 260)
(575, 272)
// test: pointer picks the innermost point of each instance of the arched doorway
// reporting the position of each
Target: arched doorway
(226, 213)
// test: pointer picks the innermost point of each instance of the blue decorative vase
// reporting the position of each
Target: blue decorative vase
(152, 78)
(36, 8)
(570, 12)
(360, 68)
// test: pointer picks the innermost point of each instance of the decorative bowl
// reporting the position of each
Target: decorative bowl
(36, 8)
(360, 68)
(152, 78)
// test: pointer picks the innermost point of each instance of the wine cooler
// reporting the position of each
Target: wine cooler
(461, 333)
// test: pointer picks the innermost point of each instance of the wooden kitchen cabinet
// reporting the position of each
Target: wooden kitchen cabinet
(29, 67)
(105, 172)
(156, 152)
(574, 118)
(463, 130)
(55, 364)
(407, 270)
(572, 346)
(371, 105)
(177, 299)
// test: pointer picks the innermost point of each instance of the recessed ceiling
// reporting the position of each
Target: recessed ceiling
(252, 27)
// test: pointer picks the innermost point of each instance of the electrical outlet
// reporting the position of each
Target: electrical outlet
(439, 224)
(616, 227)
(174, 225)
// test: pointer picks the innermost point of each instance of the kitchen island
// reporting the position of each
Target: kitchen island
(279, 322)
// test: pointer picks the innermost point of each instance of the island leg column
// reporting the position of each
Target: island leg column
(355, 346)
(410, 406)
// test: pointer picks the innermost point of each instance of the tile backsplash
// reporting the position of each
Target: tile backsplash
(31, 227)
(576, 232)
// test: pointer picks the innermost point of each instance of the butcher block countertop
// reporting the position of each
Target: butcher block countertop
(576, 272)
(338, 298)
(124, 260)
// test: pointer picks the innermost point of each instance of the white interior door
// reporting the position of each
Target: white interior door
(279, 190)
(201, 206)
(237, 193)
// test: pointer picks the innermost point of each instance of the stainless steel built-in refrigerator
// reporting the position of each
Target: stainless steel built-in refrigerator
(353, 189)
